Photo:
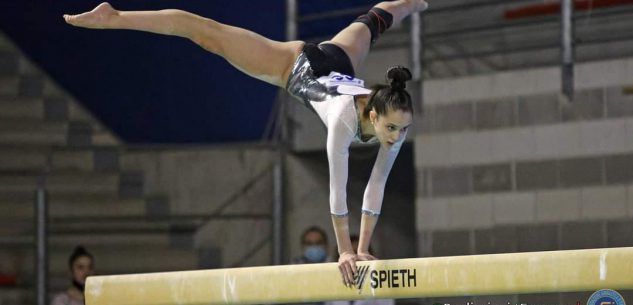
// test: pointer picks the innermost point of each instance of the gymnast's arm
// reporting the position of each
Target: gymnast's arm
(374, 192)
(338, 140)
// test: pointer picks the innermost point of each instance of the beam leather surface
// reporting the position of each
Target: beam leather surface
(532, 272)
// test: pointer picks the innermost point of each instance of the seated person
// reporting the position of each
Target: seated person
(81, 265)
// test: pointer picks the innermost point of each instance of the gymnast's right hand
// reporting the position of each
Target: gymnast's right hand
(347, 266)
(99, 18)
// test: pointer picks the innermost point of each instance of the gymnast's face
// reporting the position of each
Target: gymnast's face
(392, 126)
(82, 268)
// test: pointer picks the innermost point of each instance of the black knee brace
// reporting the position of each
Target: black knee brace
(377, 20)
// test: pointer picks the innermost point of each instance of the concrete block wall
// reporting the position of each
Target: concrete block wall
(214, 180)
(199, 180)
(505, 165)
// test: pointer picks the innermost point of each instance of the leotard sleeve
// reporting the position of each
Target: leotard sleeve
(374, 192)
(339, 138)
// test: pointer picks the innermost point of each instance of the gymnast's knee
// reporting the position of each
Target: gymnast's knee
(377, 20)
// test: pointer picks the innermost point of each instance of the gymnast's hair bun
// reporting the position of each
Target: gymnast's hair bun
(397, 77)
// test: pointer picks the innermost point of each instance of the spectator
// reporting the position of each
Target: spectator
(81, 265)
(314, 247)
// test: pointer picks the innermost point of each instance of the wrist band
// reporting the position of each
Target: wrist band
(370, 213)
(340, 215)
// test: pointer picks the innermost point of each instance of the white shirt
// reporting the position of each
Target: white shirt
(65, 299)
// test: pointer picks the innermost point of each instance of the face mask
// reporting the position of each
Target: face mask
(315, 254)
(79, 286)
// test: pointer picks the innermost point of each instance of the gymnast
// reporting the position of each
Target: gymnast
(322, 78)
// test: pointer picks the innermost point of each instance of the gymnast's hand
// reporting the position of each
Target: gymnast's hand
(347, 266)
(99, 18)
(365, 257)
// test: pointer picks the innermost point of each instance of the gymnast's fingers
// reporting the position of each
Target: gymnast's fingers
(342, 270)
(346, 263)
(353, 266)
(344, 275)
(349, 273)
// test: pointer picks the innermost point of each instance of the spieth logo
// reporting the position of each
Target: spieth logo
(390, 278)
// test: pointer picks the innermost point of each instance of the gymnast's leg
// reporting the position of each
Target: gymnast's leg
(255, 55)
(356, 38)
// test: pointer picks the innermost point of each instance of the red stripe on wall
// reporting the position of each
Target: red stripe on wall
(553, 8)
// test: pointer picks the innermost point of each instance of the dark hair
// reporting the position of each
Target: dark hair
(392, 96)
(77, 253)
(313, 229)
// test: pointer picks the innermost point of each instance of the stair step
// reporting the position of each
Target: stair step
(105, 138)
(28, 197)
(19, 233)
(62, 183)
(39, 125)
(91, 158)
(89, 240)
(34, 132)
(87, 159)
(9, 63)
(110, 258)
(30, 85)
(23, 158)
(143, 259)
(124, 184)
(98, 207)
(22, 108)
(9, 85)
(74, 214)
(49, 109)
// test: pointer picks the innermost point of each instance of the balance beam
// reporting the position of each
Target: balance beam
(510, 273)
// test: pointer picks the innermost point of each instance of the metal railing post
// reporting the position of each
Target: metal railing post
(567, 49)
(41, 246)
(416, 60)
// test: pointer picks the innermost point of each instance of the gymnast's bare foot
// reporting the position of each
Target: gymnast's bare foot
(99, 18)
